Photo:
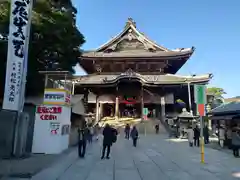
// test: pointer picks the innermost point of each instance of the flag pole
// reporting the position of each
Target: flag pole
(200, 99)
(202, 141)
(189, 98)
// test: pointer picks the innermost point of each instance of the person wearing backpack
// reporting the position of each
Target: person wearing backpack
(82, 142)
(109, 136)
(114, 136)
(134, 135)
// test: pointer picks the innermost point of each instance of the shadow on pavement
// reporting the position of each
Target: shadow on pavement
(28, 167)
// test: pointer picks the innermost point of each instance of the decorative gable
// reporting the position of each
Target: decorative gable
(130, 45)
(130, 39)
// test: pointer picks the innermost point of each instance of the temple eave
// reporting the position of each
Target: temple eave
(103, 80)
(142, 55)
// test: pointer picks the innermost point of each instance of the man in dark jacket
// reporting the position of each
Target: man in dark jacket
(206, 134)
(235, 141)
(82, 142)
(127, 131)
(157, 128)
(196, 131)
(134, 135)
(108, 138)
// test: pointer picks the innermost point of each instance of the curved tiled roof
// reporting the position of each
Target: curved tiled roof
(230, 107)
(132, 46)
(130, 29)
(146, 79)
(186, 52)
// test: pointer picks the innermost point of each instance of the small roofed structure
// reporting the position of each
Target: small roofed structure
(226, 111)
(185, 115)
(226, 116)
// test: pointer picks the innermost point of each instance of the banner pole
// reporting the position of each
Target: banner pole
(202, 141)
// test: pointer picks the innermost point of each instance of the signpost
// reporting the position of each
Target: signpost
(16, 69)
(145, 113)
(18, 40)
(200, 99)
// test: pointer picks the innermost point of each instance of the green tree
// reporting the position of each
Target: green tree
(216, 92)
(215, 96)
(54, 44)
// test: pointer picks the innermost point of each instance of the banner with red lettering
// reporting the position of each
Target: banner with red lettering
(48, 112)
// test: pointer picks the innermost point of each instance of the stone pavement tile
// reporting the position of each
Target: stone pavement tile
(81, 168)
(54, 171)
(58, 169)
(178, 175)
(103, 169)
(218, 164)
(124, 174)
(26, 167)
(146, 167)
(149, 171)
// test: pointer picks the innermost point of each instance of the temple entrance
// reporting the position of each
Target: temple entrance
(130, 110)
(108, 110)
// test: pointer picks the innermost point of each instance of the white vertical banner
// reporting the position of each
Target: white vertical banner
(18, 39)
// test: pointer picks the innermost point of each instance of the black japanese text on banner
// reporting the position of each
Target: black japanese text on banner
(17, 41)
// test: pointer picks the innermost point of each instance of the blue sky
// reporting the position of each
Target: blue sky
(212, 26)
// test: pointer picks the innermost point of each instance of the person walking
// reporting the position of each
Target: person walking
(235, 142)
(82, 142)
(157, 128)
(196, 131)
(190, 136)
(91, 134)
(87, 134)
(108, 138)
(134, 135)
(206, 134)
(229, 137)
(127, 131)
(221, 135)
(96, 131)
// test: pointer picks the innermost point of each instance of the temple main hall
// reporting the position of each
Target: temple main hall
(131, 73)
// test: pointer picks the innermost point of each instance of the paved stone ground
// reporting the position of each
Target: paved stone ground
(156, 157)
(27, 167)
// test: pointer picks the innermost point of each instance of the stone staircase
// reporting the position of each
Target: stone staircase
(148, 127)
(144, 127)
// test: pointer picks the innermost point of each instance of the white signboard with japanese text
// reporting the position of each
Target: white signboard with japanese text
(50, 121)
(57, 97)
(17, 49)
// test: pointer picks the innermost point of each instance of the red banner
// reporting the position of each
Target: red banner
(44, 109)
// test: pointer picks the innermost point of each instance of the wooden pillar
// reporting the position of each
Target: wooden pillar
(85, 100)
(97, 109)
(117, 104)
(116, 108)
(100, 110)
(142, 103)
(163, 107)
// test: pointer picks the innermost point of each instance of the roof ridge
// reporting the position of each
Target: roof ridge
(131, 24)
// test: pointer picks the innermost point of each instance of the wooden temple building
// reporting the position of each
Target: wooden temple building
(131, 72)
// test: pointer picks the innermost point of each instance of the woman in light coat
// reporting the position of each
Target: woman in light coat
(190, 136)
(221, 136)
